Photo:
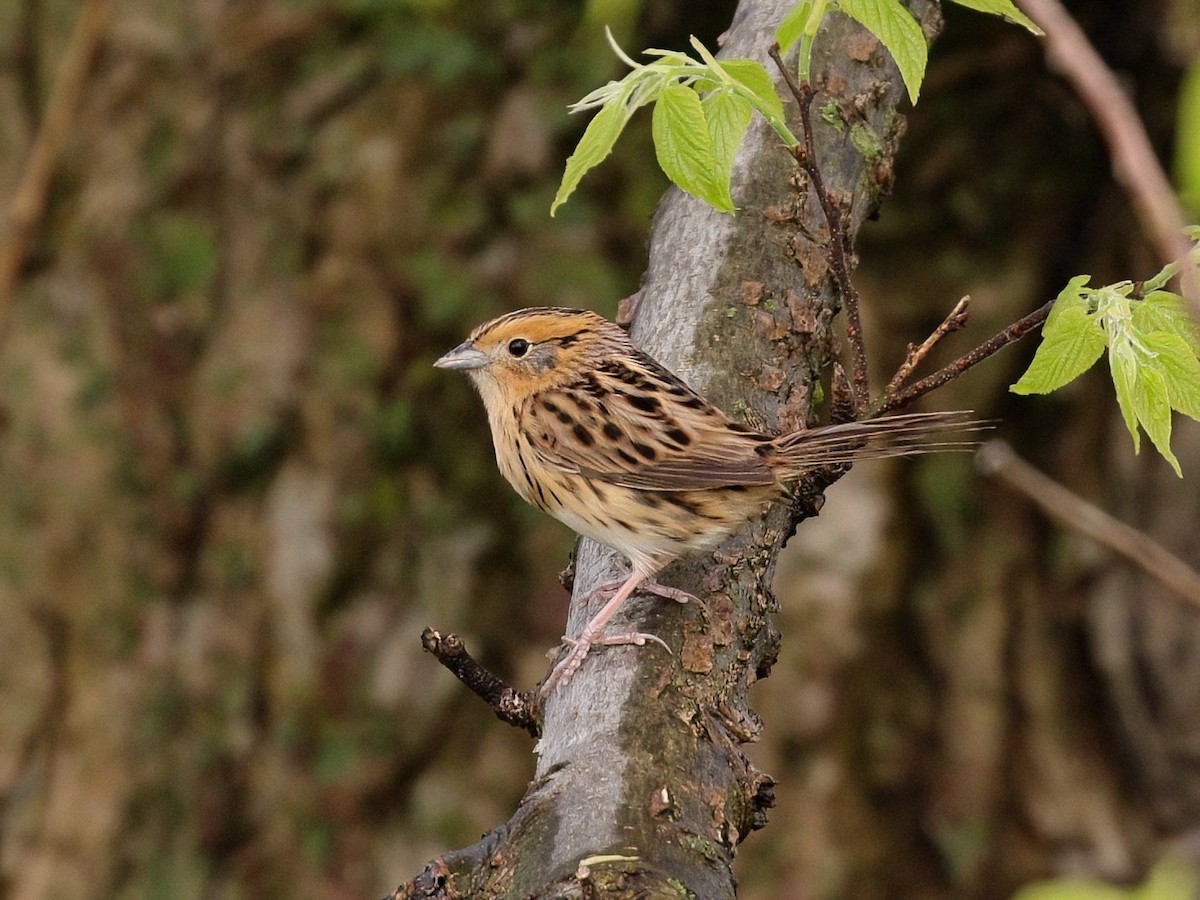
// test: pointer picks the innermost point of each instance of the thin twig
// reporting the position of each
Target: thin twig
(956, 320)
(29, 201)
(510, 705)
(1013, 332)
(1135, 165)
(1072, 511)
(839, 240)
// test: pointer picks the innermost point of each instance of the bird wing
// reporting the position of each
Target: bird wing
(630, 422)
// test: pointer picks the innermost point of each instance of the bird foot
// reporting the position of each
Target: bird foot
(581, 646)
(614, 593)
(671, 593)
(649, 586)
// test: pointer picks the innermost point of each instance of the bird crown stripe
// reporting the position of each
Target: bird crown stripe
(530, 315)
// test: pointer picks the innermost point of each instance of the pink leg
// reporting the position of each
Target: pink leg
(591, 634)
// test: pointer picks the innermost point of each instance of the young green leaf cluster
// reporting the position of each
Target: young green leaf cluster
(702, 107)
(890, 22)
(695, 137)
(1153, 352)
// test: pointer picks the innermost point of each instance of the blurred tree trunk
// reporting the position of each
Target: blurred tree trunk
(640, 764)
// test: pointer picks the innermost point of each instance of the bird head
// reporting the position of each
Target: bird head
(531, 350)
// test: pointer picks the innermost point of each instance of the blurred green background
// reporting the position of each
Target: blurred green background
(233, 490)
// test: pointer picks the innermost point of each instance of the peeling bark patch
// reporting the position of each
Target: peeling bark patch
(751, 293)
(803, 319)
(720, 611)
(696, 654)
(769, 327)
(861, 46)
(813, 263)
(661, 803)
(771, 378)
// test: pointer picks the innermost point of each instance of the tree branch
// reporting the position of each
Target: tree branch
(515, 707)
(1135, 165)
(996, 458)
(955, 320)
(29, 201)
(895, 400)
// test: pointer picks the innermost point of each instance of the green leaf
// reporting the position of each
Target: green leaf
(728, 116)
(1070, 346)
(1067, 350)
(1153, 353)
(1164, 311)
(801, 19)
(1005, 10)
(753, 77)
(792, 26)
(1153, 410)
(897, 30)
(597, 142)
(1176, 360)
(1073, 295)
(1122, 361)
(684, 148)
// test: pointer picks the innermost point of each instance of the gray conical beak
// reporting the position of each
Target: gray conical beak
(464, 356)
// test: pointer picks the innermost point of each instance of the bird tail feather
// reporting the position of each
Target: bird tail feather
(909, 434)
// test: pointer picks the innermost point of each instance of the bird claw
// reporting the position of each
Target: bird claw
(649, 586)
(669, 593)
(637, 638)
(672, 593)
(580, 647)
(617, 592)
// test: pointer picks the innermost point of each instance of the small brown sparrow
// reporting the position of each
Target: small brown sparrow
(590, 429)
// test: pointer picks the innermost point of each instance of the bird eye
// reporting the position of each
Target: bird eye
(518, 346)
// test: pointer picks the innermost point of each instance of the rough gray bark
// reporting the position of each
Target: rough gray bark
(640, 758)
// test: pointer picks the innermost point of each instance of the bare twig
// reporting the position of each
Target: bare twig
(1013, 332)
(1072, 511)
(839, 239)
(953, 322)
(29, 201)
(510, 705)
(1135, 165)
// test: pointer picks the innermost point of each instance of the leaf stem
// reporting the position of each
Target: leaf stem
(839, 240)
(1170, 270)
